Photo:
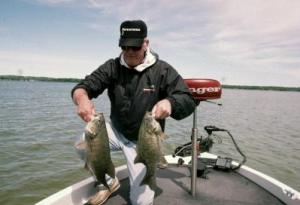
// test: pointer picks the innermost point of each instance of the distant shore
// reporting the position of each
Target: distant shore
(32, 78)
(76, 80)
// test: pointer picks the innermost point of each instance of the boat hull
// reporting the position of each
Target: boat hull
(175, 182)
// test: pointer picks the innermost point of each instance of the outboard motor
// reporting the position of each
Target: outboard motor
(202, 90)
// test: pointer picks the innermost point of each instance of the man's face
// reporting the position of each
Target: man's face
(134, 56)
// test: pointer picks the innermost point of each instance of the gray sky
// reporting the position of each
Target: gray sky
(249, 42)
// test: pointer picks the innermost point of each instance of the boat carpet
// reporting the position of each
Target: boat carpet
(221, 188)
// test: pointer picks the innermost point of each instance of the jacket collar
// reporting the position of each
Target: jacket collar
(149, 60)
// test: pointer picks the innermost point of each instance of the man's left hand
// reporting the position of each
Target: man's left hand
(162, 109)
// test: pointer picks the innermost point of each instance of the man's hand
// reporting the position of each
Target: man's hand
(86, 110)
(162, 109)
(85, 107)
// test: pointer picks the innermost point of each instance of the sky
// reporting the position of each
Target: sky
(249, 42)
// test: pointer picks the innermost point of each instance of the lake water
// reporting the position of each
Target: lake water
(38, 126)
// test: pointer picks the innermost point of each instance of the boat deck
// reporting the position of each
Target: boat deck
(220, 188)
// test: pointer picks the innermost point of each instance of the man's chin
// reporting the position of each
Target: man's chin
(132, 65)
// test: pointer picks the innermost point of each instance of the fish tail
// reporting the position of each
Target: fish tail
(150, 181)
(106, 185)
(111, 170)
(102, 180)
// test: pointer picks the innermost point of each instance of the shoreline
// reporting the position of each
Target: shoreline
(76, 80)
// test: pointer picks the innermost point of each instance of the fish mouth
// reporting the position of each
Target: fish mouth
(90, 129)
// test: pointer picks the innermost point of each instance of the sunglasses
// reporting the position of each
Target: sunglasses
(134, 48)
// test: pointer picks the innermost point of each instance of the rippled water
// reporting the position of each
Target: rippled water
(38, 126)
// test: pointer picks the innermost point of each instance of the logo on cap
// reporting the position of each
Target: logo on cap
(129, 29)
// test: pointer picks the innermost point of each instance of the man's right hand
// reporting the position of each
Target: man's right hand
(86, 110)
(85, 107)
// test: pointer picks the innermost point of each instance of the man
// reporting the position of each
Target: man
(136, 81)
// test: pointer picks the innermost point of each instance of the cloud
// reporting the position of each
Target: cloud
(252, 34)
(226, 36)
(239, 29)
(250, 28)
(212, 21)
(51, 2)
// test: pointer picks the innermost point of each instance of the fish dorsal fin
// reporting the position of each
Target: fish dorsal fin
(163, 136)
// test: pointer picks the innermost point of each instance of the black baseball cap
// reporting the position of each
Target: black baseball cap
(132, 33)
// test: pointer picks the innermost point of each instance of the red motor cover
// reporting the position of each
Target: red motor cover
(204, 89)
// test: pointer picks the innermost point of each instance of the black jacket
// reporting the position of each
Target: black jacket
(132, 93)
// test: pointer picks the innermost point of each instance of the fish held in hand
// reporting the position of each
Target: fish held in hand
(149, 148)
(99, 161)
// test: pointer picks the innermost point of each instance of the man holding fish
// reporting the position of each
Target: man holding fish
(143, 91)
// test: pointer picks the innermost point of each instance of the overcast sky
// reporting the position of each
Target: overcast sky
(249, 42)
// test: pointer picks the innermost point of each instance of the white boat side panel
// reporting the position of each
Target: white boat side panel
(285, 193)
(277, 188)
(80, 191)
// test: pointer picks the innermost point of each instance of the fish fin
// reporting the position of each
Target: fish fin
(137, 159)
(161, 133)
(162, 164)
(86, 166)
(163, 136)
(81, 143)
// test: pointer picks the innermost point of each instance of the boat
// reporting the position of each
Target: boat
(194, 175)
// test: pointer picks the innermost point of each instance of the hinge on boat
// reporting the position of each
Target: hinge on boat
(291, 194)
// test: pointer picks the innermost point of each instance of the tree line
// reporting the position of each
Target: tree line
(76, 80)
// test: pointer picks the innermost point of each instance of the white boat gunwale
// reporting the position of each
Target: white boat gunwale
(80, 191)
